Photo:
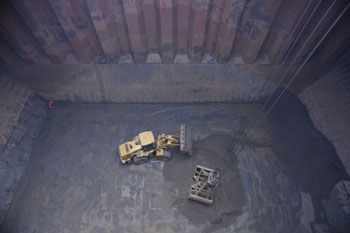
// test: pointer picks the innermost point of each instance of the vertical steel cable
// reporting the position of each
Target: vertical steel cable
(245, 125)
(257, 123)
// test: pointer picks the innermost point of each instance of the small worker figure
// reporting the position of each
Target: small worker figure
(50, 104)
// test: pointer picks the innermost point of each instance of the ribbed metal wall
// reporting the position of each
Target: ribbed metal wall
(166, 31)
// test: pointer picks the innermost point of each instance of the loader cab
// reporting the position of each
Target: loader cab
(147, 141)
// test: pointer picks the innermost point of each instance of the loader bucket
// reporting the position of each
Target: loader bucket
(186, 139)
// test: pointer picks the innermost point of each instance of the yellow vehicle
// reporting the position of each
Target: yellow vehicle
(144, 146)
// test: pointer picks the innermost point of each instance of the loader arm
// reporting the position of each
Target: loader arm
(167, 141)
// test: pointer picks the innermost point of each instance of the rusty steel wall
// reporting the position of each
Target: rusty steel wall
(328, 103)
(21, 116)
(165, 31)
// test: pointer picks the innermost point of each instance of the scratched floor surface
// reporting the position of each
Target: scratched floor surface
(75, 182)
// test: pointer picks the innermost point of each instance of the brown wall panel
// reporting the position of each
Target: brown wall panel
(182, 25)
(338, 43)
(133, 16)
(199, 22)
(283, 29)
(214, 25)
(75, 21)
(255, 25)
(105, 26)
(7, 55)
(43, 23)
(166, 29)
(118, 12)
(19, 38)
(238, 31)
(151, 26)
(230, 22)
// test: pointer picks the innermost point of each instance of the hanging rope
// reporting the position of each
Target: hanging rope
(252, 130)
(245, 124)
(295, 75)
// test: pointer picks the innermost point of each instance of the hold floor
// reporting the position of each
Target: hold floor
(75, 182)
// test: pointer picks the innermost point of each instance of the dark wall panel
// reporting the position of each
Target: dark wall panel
(238, 31)
(43, 23)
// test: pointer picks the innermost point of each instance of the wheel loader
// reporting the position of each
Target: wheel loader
(144, 146)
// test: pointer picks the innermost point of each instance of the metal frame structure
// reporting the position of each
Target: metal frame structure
(205, 181)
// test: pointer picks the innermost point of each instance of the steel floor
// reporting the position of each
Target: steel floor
(75, 182)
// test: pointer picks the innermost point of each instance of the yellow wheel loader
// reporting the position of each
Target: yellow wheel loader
(144, 146)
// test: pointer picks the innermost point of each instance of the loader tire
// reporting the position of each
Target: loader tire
(166, 156)
(139, 160)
